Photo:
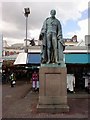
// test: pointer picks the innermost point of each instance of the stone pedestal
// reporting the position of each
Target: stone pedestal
(53, 90)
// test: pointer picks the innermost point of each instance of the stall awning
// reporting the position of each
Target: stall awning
(77, 58)
(30, 58)
(21, 59)
(34, 58)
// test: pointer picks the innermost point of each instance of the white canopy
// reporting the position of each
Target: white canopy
(21, 59)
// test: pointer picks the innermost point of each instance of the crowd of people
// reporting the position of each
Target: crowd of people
(12, 77)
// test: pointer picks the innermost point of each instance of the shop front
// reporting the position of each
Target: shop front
(79, 65)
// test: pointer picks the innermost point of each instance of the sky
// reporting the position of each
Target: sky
(73, 15)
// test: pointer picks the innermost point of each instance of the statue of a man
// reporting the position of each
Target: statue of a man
(52, 43)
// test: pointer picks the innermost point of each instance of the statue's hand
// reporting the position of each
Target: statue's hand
(61, 41)
(41, 36)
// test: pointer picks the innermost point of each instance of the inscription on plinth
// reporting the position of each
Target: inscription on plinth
(53, 90)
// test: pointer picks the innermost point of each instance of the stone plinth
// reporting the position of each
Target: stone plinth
(53, 90)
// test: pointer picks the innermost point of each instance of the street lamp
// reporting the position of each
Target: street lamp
(26, 13)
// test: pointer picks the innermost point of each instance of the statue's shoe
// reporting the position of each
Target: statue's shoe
(48, 62)
(43, 61)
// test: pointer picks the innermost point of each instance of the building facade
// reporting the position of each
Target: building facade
(77, 59)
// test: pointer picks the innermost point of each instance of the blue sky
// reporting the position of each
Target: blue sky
(84, 14)
(72, 26)
(72, 14)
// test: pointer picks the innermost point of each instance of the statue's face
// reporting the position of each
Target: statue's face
(53, 13)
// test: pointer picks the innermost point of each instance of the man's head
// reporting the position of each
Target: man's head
(53, 13)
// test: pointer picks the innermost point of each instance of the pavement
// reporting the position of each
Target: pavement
(21, 102)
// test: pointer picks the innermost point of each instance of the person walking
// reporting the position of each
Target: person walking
(35, 81)
(12, 80)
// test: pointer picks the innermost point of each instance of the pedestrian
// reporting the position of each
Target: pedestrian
(4, 77)
(35, 81)
(70, 83)
(38, 82)
(12, 80)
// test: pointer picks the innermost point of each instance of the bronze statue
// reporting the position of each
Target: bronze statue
(52, 42)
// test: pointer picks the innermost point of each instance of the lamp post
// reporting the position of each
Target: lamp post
(26, 13)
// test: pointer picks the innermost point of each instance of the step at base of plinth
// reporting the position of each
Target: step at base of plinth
(52, 108)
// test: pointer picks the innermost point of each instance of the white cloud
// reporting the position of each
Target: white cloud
(13, 41)
(42, 0)
(72, 10)
(69, 12)
(83, 28)
(34, 33)
(7, 26)
(83, 24)
(82, 5)
(14, 21)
